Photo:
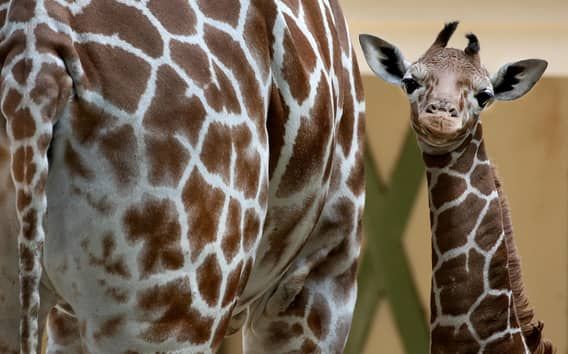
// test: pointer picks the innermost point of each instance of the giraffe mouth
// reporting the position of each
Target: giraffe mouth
(439, 134)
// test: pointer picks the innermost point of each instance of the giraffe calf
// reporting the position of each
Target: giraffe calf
(478, 304)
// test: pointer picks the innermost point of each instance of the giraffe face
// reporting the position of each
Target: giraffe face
(448, 88)
(447, 91)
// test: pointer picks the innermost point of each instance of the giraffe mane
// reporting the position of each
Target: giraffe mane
(525, 313)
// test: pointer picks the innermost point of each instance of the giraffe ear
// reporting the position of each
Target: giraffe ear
(514, 80)
(385, 59)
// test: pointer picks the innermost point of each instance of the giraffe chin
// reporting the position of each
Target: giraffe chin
(435, 141)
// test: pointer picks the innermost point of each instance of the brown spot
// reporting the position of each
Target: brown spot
(52, 85)
(464, 163)
(108, 17)
(299, 62)
(171, 111)
(232, 286)
(447, 189)
(119, 147)
(203, 204)
(27, 258)
(459, 289)
(111, 263)
(436, 161)
(221, 95)
(120, 77)
(491, 227)
(277, 118)
(21, 71)
(341, 29)
(88, 121)
(456, 223)
(232, 238)
(24, 199)
(57, 12)
(209, 280)
(482, 179)
(346, 125)
(193, 60)
(499, 269)
(217, 150)
(109, 328)
(155, 223)
(491, 316)
(218, 10)
(314, 19)
(29, 225)
(167, 160)
(310, 148)
(23, 11)
(173, 317)
(448, 340)
(308, 347)
(175, 15)
(230, 52)
(319, 317)
(257, 29)
(75, 164)
(22, 123)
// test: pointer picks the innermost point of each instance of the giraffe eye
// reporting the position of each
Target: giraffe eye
(484, 97)
(410, 85)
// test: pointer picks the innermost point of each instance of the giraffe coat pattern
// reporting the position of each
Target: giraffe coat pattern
(198, 169)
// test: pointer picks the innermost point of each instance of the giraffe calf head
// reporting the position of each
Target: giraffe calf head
(447, 87)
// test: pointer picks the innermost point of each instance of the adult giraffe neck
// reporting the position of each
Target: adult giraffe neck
(472, 302)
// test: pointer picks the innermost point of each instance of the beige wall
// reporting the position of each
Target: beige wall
(527, 142)
(508, 29)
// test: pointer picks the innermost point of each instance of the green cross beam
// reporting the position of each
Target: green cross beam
(384, 273)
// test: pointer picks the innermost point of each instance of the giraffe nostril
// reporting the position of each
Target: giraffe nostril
(431, 108)
(454, 113)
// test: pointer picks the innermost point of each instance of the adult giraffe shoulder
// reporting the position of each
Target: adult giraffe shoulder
(197, 166)
(478, 304)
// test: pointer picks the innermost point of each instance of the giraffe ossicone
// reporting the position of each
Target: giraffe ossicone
(184, 167)
(478, 304)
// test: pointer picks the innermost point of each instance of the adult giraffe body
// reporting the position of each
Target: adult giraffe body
(478, 304)
(200, 163)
